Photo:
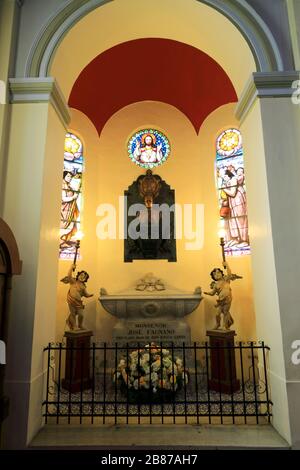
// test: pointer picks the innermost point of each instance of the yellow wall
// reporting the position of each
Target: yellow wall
(190, 171)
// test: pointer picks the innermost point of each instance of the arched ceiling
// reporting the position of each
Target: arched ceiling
(151, 70)
(186, 21)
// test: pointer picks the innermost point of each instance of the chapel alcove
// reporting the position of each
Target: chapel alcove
(104, 115)
(190, 113)
(190, 170)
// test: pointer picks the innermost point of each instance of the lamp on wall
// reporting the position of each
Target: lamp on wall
(79, 237)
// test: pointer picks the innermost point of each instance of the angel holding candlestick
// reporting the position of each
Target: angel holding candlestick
(221, 287)
(76, 291)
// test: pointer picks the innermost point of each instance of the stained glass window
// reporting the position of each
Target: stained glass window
(148, 148)
(71, 204)
(230, 181)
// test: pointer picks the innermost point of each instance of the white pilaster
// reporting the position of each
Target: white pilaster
(270, 124)
(40, 90)
(39, 116)
(265, 85)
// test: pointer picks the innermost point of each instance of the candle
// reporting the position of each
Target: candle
(79, 236)
(221, 234)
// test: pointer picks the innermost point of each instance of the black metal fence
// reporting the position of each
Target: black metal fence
(168, 383)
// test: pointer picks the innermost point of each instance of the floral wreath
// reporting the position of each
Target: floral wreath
(151, 368)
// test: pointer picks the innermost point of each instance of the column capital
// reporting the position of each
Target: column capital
(40, 90)
(265, 85)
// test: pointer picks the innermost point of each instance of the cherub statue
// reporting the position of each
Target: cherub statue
(76, 291)
(221, 287)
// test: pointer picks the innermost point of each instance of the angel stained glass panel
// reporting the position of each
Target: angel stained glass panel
(71, 205)
(230, 182)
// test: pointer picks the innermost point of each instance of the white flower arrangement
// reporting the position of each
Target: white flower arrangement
(151, 369)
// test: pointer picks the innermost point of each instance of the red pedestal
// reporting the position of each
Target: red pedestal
(77, 370)
(222, 361)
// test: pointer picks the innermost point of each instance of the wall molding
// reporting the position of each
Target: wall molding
(265, 85)
(258, 35)
(40, 90)
(255, 31)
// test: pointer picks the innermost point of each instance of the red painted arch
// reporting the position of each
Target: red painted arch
(151, 69)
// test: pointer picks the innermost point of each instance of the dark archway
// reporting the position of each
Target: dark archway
(10, 264)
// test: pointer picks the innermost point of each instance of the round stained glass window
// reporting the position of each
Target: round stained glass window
(229, 142)
(148, 148)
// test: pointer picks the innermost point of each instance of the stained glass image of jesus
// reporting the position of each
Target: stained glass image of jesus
(148, 152)
(148, 148)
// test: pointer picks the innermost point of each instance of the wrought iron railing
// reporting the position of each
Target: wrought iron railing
(193, 384)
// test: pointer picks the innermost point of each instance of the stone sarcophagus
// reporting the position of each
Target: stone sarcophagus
(151, 312)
